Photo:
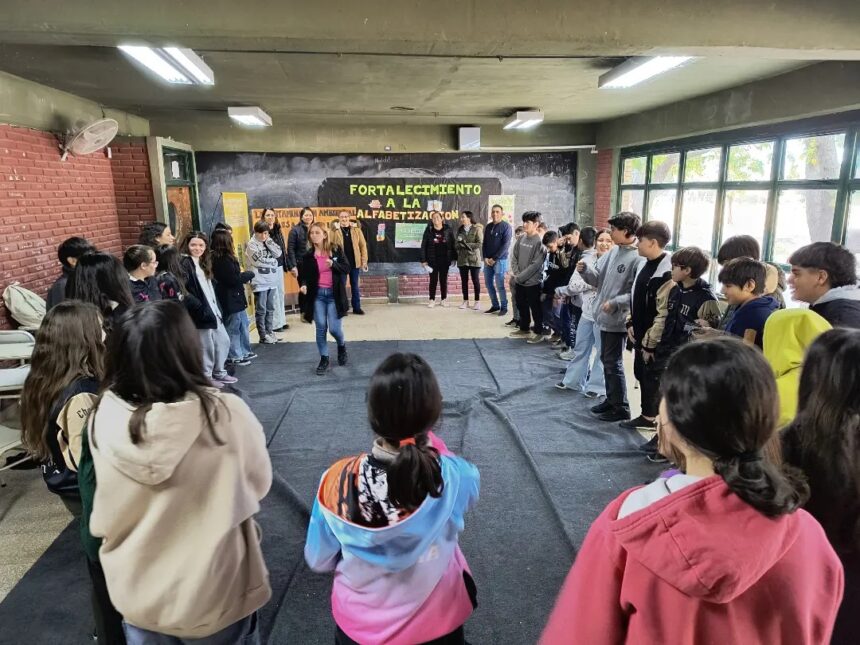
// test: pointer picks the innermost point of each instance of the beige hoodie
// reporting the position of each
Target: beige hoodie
(181, 550)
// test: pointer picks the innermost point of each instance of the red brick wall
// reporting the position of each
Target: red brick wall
(44, 200)
(603, 188)
(414, 286)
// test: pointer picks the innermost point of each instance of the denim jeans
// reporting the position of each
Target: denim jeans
(585, 373)
(354, 287)
(494, 278)
(326, 320)
(242, 632)
(240, 339)
(264, 311)
(612, 355)
(568, 322)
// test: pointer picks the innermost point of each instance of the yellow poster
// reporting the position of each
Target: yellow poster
(236, 216)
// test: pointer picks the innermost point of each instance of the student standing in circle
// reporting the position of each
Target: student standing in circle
(325, 294)
(437, 253)
(470, 239)
(497, 243)
(156, 234)
(279, 322)
(355, 249)
(140, 262)
(297, 246)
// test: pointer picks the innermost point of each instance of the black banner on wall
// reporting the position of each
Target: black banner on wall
(393, 211)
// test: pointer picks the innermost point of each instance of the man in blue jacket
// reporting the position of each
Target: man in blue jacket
(497, 242)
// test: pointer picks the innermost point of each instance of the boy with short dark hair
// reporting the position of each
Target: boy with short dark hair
(554, 276)
(613, 277)
(527, 260)
(653, 237)
(512, 286)
(743, 284)
(67, 253)
(261, 256)
(824, 274)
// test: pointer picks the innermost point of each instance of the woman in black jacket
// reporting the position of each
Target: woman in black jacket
(230, 291)
(279, 321)
(325, 301)
(99, 278)
(202, 304)
(438, 251)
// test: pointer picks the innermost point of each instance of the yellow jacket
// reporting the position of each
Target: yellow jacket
(787, 335)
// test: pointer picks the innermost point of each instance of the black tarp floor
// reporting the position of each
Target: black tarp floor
(547, 469)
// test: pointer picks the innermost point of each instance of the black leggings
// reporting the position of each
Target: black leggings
(476, 282)
(440, 276)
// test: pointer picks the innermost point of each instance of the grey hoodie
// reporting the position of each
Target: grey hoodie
(527, 260)
(613, 275)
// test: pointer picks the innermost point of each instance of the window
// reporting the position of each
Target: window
(852, 233)
(634, 170)
(703, 165)
(802, 217)
(744, 213)
(697, 218)
(813, 157)
(665, 168)
(750, 162)
(632, 200)
(661, 205)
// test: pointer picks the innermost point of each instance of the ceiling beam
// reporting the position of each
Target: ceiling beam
(795, 29)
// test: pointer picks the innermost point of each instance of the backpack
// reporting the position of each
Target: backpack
(26, 307)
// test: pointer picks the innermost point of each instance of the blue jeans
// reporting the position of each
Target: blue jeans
(264, 311)
(568, 322)
(494, 278)
(326, 320)
(355, 289)
(242, 632)
(240, 339)
(585, 373)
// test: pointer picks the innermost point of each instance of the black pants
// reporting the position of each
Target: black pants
(529, 306)
(476, 281)
(108, 619)
(457, 637)
(611, 355)
(440, 276)
(648, 375)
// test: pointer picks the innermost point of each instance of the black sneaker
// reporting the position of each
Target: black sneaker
(358, 312)
(513, 323)
(492, 310)
(650, 446)
(657, 458)
(600, 408)
(342, 356)
(250, 357)
(322, 368)
(503, 311)
(614, 415)
(238, 361)
(639, 422)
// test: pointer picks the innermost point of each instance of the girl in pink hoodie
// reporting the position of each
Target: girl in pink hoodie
(719, 554)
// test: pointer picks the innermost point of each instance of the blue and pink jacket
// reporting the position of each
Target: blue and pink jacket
(404, 583)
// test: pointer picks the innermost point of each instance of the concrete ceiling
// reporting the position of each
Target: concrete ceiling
(362, 89)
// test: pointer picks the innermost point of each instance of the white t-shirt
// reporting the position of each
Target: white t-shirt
(654, 492)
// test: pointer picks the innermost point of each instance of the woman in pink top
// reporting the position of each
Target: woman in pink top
(326, 302)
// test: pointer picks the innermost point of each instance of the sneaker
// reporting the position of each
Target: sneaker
(554, 338)
(215, 383)
(342, 356)
(591, 395)
(358, 312)
(226, 379)
(477, 306)
(519, 333)
(600, 408)
(250, 357)
(512, 323)
(650, 446)
(639, 422)
(503, 311)
(657, 458)
(465, 305)
(614, 415)
(323, 366)
(492, 310)
(431, 304)
(265, 340)
(566, 355)
(443, 303)
(271, 338)
(284, 328)
(238, 361)
(534, 339)
(562, 386)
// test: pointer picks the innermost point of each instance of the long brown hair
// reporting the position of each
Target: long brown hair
(205, 259)
(68, 347)
(328, 243)
(222, 244)
(143, 377)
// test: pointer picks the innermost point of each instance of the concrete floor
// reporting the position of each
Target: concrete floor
(31, 517)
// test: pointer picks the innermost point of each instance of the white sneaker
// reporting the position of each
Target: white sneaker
(477, 306)
(566, 355)
(443, 303)
(431, 304)
(534, 339)
(465, 305)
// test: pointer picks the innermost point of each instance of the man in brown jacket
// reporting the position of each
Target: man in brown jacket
(350, 237)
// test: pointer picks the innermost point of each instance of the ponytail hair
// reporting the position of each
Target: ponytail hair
(721, 398)
(404, 401)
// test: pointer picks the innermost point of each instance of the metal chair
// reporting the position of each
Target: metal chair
(16, 345)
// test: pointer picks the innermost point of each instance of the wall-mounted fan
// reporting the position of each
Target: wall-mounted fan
(87, 140)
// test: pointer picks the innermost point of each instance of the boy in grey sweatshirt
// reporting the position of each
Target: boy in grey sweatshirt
(261, 255)
(613, 276)
(527, 260)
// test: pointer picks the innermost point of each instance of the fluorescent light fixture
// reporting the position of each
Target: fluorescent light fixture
(524, 120)
(636, 70)
(250, 116)
(148, 57)
(193, 64)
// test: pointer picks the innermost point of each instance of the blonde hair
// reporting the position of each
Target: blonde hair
(327, 241)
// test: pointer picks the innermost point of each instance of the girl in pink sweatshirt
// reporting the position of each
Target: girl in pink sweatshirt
(719, 554)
